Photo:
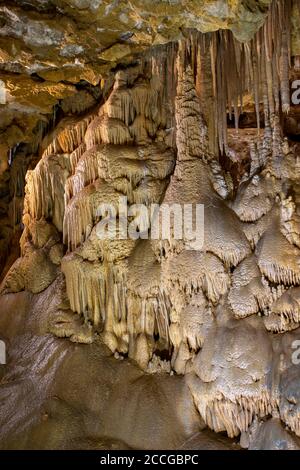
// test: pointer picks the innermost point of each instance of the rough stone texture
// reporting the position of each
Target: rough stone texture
(71, 406)
(117, 337)
(47, 47)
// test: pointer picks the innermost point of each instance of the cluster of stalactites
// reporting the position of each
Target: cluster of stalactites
(235, 417)
(139, 109)
(225, 70)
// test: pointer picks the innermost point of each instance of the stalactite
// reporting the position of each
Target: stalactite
(68, 135)
(256, 198)
(236, 416)
(45, 189)
(123, 167)
(85, 287)
(107, 131)
(142, 296)
(120, 105)
(76, 155)
(278, 260)
(16, 187)
(218, 179)
(290, 221)
(238, 68)
(89, 167)
(284, 75)
(265, 58)
(250, 292)
(200, 273)
(292, 421)
(142, 129)
(78, 220)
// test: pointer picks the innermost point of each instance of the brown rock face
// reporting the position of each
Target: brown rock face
(47, 47)
(157, 284)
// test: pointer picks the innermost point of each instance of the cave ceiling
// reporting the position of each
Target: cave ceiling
(50, 50)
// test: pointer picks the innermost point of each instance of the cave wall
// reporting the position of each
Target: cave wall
(163, 129)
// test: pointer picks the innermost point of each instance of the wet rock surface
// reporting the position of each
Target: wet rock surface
(140, 342)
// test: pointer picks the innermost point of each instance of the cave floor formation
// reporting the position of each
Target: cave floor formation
(136, 340)
(111, 404)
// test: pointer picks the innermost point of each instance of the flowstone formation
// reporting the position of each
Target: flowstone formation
(215, 326)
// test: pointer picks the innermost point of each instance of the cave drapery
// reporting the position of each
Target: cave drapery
(200, 115)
